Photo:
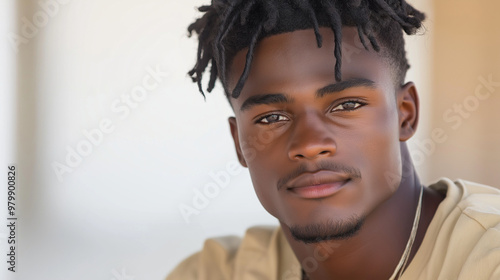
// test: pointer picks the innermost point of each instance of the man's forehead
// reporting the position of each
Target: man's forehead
(279, 58)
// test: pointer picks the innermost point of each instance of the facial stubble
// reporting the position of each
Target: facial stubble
(327, 231)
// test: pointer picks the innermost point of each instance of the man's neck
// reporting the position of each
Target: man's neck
(376, 250)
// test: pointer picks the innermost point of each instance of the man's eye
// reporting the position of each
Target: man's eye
(348, 106)
(273, 118)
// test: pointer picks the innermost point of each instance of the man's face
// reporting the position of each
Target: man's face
(319, 152)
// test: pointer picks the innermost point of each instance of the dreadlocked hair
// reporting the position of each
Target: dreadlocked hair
(228, 26)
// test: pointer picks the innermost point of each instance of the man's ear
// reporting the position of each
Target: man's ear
(408, 106)
(234, 132)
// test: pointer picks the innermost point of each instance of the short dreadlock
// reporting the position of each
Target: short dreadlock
(229, 26)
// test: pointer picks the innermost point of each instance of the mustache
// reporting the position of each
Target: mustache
(353, 172)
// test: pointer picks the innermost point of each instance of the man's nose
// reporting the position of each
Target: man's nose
(311, 138)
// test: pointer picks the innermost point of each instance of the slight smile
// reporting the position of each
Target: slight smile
(320, 184)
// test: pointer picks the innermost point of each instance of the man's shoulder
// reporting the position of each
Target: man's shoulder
(466, 199)
(256, 238)
(463, 239)
(481, 203)
(226, 256)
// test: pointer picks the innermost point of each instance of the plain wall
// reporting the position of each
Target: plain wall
(467, 53)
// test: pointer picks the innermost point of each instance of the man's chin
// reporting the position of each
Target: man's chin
(329, 230)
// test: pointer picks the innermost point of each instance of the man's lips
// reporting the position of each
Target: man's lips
(320, 184)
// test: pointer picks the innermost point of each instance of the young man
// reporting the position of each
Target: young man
(322, 116)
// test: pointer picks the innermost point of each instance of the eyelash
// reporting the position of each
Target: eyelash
(360, 104)
(259, 120)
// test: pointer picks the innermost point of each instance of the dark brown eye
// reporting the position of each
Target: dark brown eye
(273, 118)
(347, 106)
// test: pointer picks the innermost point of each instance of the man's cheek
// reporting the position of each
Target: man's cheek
(266, 194)
(249, 152)
(380, 150)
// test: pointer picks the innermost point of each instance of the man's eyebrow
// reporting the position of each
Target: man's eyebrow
(270, 98)
(343, 85)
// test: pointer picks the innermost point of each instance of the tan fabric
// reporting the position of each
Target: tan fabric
(462, 242)
(263, 253)
(463, 239)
